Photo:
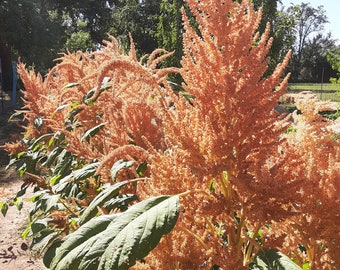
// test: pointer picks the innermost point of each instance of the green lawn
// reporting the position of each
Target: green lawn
(326, 91)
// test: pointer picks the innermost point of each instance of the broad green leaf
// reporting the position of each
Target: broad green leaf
(117, 166)
(141, 168)
(3, 208)
(14, 115)
(70, 85)
(64, 162)
(117, 241)
(91, 132)
(87, 99)
(85, 172)
(50, 253)
(61, 183)
(45, 202)
(61, 107)
(100, 199)
(18, 203)
(43, 241)
(120, 202)
(51, 202)
(67, 188)
(52, 156)
(38, 122)
(71, 251)
(39, 225)
(270, 259)
(137, 238)
(36, 143)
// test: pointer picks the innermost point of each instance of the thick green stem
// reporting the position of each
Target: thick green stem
(251, 245)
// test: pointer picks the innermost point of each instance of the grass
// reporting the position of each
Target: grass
(325, 91)
(314, 86)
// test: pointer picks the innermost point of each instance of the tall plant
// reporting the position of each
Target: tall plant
(221, 179)
(224, 143)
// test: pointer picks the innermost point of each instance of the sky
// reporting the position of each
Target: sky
(332, 8)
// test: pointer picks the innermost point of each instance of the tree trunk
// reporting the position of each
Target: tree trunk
(6, 68)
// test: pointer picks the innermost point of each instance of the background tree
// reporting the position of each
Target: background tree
(79, 39)
(314, 64)
(29, 30)
(138, 18)
(333, 57)
(282, 25)
(170, 29)
(169, 33)
(307, 21)
(96, 14)
(38, 30)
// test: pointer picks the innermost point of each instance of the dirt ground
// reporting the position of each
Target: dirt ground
(14, 251)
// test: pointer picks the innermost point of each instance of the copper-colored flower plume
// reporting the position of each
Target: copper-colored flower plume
(223, 145)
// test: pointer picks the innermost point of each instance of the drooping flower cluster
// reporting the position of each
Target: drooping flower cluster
(107, 89)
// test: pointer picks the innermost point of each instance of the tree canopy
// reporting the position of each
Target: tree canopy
(36, 31)
(30, 31)
(308, 22)
(333, 57)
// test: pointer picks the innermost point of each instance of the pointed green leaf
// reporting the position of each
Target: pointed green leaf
(118, 165)
(141, 168)
(51, 202)
(14, 115)
(91, 132)
(18, 203)
(117, 244)
(89, 94)
(138, 237)
(120, 202)
(70, 85)
(270, 259)
(100, 199)
(36, 143)
(60, 108)
(38, 122)
(85, 172)
(3, 208)
(87, 99)
(71, 252)
(45, 237)
(22, 190)
(52, 156)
